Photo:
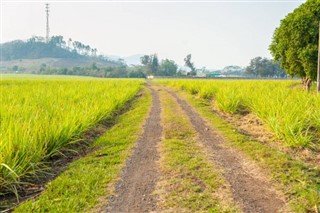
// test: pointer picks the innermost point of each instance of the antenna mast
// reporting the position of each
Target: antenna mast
(48, 29)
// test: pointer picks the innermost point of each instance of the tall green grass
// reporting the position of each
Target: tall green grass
(293, 115)
(40, 117)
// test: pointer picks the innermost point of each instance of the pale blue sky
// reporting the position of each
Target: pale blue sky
(217, 34)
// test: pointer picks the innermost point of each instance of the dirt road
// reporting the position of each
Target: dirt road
(250, 189)
(139, 177)
(134, 193)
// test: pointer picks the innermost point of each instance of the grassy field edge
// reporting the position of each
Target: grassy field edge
(190, 182)
(41, 118)
(300, 183)
(88, 181)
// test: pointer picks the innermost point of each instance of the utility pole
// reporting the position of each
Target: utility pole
(47, 29)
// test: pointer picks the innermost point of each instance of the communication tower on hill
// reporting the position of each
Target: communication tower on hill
(47, 29)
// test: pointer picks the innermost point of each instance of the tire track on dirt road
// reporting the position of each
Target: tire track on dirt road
(140, 175)
(250, 190)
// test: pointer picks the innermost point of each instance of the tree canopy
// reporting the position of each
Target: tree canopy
(168, 68)
(190, 64)
(151, 64)
(264, 67)
(295, 41)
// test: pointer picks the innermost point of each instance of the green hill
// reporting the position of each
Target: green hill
(30, 55)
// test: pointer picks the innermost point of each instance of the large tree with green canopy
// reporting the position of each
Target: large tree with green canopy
(295, 42)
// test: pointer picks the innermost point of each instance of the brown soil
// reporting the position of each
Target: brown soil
(251, 190)
(139, 177)
(250, 125)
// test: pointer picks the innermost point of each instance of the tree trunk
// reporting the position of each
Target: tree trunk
(308, 83)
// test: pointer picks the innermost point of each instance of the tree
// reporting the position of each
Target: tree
(145, 59)
(263, 67)
(94, 52)
(151, 64)
(15, 68)
(69, 47)
(168, 68)
(233, 70)
(154, 64)
(295, 42)
(57, 41)
(93, 66)
(190, 64)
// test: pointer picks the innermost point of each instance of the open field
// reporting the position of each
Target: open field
(160, 107)
(7, 76)
(86, 183)
(294, 171)
(179, 146)
(289, 112)
(40, 117)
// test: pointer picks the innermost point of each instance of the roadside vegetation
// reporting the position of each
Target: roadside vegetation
(39, 118)
(290, 113)
(298, 181)
(87, 182)
(190, 183)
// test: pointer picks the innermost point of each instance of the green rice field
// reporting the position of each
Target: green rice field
(292, 114)
(41, 116)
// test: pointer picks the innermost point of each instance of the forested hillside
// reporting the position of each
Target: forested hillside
(37, 48)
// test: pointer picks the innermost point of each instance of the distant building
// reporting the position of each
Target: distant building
(215, 75)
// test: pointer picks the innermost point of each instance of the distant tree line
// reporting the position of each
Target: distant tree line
(151, 66)
(233, 70)
(57, 47)
(264, 67)
(259, 67)
(36, 47)
(121, 71)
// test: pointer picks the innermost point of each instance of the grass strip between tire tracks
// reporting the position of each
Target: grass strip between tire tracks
(190, 183)
(87, 182)
(300, 183)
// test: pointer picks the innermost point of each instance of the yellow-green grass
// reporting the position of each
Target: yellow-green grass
(190, 182)
(40, 117)
(4, 76)
(300, 183)
(88, 182)
(292, 114)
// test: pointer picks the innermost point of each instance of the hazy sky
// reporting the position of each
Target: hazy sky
(216, 33)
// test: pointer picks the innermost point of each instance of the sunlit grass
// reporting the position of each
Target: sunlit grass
(39, 117)
(87, 182)
(299, 182)
(292, 114)
(40, 77)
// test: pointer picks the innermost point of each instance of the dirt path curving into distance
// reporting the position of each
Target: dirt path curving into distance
(250, 190)
(139, 177)
(133, 193)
